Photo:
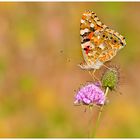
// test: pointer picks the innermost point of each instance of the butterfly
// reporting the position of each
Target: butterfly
(99, 43)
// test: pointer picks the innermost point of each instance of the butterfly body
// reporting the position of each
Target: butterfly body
(99, 43)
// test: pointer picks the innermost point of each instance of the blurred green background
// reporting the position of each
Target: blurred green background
(39, 53)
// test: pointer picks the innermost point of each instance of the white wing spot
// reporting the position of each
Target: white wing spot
(91, 25)
(102, 46)
(98, 37)
(84, 31)
(99, 23)
(82, 21)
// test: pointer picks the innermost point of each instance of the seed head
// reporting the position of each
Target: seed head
(110, 78)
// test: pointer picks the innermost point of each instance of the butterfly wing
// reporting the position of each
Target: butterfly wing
(99, 43)
(112, 43)
(90, 27)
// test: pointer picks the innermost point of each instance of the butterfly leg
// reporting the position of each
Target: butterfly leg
(92, 73)
(108, 68)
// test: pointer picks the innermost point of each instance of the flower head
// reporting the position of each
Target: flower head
(90, 94)
(110, 78)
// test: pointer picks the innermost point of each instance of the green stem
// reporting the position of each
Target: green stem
(99, 115)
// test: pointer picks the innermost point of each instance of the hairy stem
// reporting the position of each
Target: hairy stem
(99, 115)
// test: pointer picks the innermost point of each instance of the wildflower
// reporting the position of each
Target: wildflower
(90, 94)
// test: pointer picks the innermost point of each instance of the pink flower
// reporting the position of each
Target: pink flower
(90, 94)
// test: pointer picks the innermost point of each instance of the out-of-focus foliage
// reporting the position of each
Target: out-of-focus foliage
(39, 53)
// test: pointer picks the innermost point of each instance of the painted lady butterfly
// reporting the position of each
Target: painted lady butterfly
(99, 43)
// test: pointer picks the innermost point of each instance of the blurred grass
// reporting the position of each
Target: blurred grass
(39, 53)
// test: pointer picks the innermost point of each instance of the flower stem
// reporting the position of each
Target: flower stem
(99, 115)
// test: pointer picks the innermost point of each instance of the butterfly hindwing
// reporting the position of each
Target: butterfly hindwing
(112, 43)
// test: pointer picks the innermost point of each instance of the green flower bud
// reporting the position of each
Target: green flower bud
(110, 78)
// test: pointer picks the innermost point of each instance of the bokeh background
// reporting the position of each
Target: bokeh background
(39, 53)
